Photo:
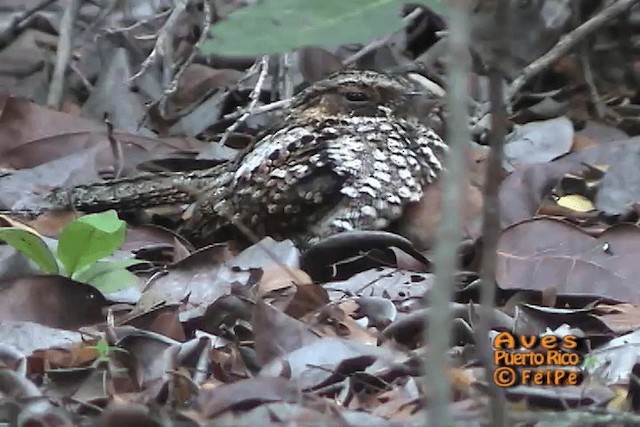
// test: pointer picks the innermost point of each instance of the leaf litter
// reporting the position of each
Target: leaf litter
(267, 334)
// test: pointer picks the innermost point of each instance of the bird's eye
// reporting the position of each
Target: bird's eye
(356, 96)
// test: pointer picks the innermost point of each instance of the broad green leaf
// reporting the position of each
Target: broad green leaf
(89, 273)
(274, 26)
(32, 246)
(88, 239)
(102, 348)
(114, 280)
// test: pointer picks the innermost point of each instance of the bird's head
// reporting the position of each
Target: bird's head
(359, 93)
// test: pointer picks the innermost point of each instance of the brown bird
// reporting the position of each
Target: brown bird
(350, 153)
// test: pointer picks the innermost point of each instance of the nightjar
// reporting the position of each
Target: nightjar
(349, 154)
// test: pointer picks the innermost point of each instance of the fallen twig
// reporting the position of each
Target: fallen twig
(258, 110)
(287, 81)
(566, 43)
(54, 100)
(159, 47)
(18, 22)
(173, 85)
(415, 13)
(140, 23)
(116, 148)
(438, 328)
(254, 97)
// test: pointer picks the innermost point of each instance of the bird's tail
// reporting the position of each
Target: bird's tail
(140, 191)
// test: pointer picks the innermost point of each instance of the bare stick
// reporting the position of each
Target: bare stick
(415, 13)
(567, 43)
(206, 24)
(287, 81)
(116, 148)
(19, 21)
(490, 235)
(172, 87)
(139, 23)
(259, 110)
(254, 96)
(438, 328)
(54, 100)
(166, 30)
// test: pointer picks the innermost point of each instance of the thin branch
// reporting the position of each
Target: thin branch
(65, 40)
(254, 97)
(490, 236)
(173, 86)
(287, 80)
(19, 21)
(116, 148)
(258, 110)
(87, 84)
(567, 43)
(438, 328)
(140, 23)
(415, 13)
(206, 24)
(159, 47)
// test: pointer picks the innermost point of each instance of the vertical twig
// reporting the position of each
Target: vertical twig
(20, 21)
(496, 61)
(254, 97)
(490, 235)
(568, 42)
(116, 148)
(287, 81)
(65, 40)
(450, 231)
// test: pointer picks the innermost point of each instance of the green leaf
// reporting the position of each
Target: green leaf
(114, 281)
(89, 273)
(88, 239)
(102, 348)
(32, 246)
(274, 26)
(109, 277)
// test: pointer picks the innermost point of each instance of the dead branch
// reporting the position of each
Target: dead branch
(165, 33)
(54, 100)
(172, 87)
(258, 110)
(415, 13)
(438, 329)
(568, 42)
(19, 21)
(254, 96)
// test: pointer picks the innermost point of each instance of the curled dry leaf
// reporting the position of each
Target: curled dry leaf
(277, 334)
(543, 252)
(523, 192)
(246, 393)
(538, 142)
(47, 300)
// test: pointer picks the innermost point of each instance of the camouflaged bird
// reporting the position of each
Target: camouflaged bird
(349, 154)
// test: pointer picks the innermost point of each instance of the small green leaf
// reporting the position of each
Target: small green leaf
(274, 26)
(102, 348)
(32, 246)
(114, 280)
(89, 273)
(109, 276)
(90, 238)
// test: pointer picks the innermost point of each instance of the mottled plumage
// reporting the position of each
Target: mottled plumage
(349, 154)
